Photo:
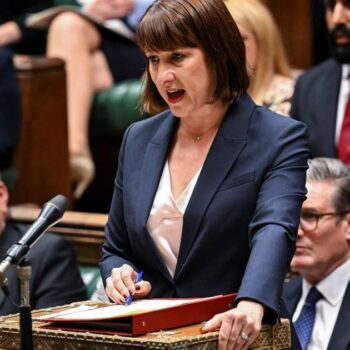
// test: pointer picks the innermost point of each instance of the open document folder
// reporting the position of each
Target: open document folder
(43, 19)
(141, 316)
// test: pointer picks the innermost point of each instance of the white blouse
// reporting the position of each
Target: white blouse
(166, 218)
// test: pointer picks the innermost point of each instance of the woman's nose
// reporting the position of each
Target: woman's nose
(165, 74)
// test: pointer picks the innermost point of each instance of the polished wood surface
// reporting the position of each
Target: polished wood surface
(84, 230)
(42, 156)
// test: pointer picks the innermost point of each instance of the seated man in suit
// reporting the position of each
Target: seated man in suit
(321, 95)
(319, 298)
(55, 276)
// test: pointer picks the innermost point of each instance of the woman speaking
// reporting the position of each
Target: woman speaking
(208, 191)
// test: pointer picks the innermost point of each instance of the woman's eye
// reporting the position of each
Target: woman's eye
(178, 56)
(153, 59)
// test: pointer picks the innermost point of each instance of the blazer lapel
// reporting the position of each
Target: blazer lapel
(326, 114)
(152, 167)
(340, 338)
(151, 171)
(227, 145)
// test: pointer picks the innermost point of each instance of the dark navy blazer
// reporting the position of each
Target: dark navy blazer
(315, 102)
(240, 225)
(340, 338)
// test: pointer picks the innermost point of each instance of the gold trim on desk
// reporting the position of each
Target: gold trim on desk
(275, 337)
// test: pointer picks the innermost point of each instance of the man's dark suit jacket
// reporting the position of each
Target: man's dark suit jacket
(10, 109)
(55, 276)
(315, 102)
(240, 224)
(340, 338)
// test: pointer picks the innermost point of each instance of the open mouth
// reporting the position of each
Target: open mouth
(175, 95)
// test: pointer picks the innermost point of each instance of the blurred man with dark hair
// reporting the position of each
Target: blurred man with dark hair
(321, 96)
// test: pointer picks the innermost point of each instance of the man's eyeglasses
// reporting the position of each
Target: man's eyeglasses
(309, 220)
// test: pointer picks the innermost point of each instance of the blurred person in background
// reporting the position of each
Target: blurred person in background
(14, 33)
(321, 96)
(96, 58)
(271, 84)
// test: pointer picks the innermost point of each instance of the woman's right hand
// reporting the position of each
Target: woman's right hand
(121, 284)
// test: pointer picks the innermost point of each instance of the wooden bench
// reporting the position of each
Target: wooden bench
(84, 230)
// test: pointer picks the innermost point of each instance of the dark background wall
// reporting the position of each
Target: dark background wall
(303, 30)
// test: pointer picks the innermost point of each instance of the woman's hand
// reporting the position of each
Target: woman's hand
(238, 327)
(101, 10)
(121, 284)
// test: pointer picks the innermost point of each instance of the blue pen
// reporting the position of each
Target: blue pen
(138, 279)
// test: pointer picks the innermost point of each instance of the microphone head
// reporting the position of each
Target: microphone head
(60, 202)
(54, 209)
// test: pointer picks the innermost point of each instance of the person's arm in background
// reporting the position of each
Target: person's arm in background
(132, 10)
(140, 8)
(14, 29)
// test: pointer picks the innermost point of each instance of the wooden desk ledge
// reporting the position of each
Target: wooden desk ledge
(271, 337)
(27, 215)
(84, 230)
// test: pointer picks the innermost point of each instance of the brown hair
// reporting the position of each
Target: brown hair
(171, 24)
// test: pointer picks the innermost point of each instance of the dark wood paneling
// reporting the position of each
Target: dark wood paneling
(294, 20)
(42, 156)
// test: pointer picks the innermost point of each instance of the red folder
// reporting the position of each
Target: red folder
(138, 323)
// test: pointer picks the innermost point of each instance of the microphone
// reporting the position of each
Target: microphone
(50, 214)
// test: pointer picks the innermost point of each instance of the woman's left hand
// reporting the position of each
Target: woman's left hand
(239, 327)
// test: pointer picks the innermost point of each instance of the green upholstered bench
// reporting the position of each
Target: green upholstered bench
(115, 109)
(9, 176)
(90, 275)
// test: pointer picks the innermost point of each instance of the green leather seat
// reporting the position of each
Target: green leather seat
(90, 276)
(9, 176)
(115, 109)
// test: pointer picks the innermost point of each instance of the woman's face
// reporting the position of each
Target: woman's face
(183, 79)
(251, 48)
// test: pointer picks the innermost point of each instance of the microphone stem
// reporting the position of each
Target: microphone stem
(24, 272)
